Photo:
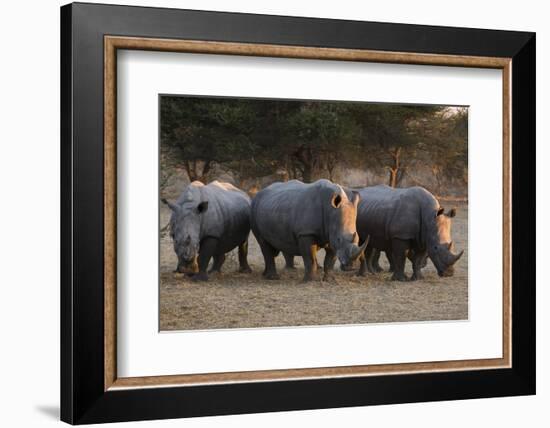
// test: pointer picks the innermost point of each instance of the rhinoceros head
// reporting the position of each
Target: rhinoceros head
(343, 237)
(185, 225)
(441, 248)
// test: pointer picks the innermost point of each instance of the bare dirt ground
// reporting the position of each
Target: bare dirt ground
(234, 300)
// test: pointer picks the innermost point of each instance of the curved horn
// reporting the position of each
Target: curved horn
(364, 246)
(450, 245)
(458, 256)
(358, 250)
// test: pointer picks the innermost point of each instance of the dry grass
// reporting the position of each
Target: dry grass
(234, 300)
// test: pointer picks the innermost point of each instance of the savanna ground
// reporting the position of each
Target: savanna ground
(235, 300)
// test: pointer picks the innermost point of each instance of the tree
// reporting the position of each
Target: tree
(205, 131)
(317, 137)
(388, 137)
(251, 138)
(444, 145)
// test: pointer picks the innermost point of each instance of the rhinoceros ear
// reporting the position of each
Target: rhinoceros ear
(452, 212)
(440, 211)
(336, 200)
(202, 207)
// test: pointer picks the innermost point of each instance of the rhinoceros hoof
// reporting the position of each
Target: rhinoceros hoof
(201, 276)
(245, 269)
(272, 276)
(399, 277)
(416, 277)
(329, 278)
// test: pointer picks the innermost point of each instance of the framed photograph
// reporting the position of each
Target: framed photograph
(267, 213)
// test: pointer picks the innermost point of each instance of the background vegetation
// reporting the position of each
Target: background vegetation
(253, 142)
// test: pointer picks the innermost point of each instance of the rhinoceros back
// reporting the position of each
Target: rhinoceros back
(385, 213)
(282, 212)
(228, 215)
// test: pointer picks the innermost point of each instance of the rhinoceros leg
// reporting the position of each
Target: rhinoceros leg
(218, 263)
(369, 252)
(424, 260)
(375, 262)
(269, 253)
(328, 265)
(389, 256)
(418, 262)
(399, 249)
(243, 254)
(371, 259)
(308, 250)
(289, 261)
(206, 252)
(423, 254)
(363, 268)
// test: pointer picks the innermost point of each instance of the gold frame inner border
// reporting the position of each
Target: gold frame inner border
(113, 43)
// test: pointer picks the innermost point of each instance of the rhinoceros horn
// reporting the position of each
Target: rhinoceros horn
(172, 206)
(358, 249)
(457, 256)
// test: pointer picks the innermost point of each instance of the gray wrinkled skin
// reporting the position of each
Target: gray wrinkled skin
(219, 211)
(410, 219)
(294, 217)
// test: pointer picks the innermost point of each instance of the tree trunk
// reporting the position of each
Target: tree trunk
(307, 173)
(396, 170)
(308, 161)
(330, 174)
(195, 172)
(330, 165)
(190, 171)
(393, 177)
(205, 170)
(438, 178)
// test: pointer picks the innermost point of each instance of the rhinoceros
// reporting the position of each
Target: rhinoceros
(405, 222)
(298, 219)
(209, 221)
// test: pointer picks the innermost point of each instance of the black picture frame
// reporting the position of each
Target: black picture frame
(83, 399)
